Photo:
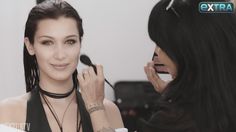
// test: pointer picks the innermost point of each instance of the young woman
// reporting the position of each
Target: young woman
(199, 51)
(53, 34)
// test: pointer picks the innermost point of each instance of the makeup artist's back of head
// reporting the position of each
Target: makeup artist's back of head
(203, 46)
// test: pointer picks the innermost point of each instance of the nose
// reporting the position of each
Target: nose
(157, 50)
(60, 52)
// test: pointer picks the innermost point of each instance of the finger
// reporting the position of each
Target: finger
(149, 75)
(85, 74)
(146, 71)
(81, 80)
(150, 64)
(100, 71)
(154, 75)
(91, 71)
(159, 83)
(80, 77)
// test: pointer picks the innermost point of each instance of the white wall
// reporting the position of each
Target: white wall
(13, 14)
(115, 36)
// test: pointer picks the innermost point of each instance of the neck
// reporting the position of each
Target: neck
(61, 100)
(55, 86)
(58, 87)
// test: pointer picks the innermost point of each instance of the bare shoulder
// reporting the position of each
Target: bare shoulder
(113, 114)
(13, 109)
(14, 102)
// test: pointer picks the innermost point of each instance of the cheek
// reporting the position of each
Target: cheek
(74, 60)
(74, 54)
(162, 59)
(42, 56)
(172, 68)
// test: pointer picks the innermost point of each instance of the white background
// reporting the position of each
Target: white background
(115, 36)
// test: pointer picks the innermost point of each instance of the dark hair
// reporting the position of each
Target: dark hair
(203, 46)
(39, 1)
(50, 9)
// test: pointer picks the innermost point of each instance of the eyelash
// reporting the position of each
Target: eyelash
(70, 42)
(47, 42)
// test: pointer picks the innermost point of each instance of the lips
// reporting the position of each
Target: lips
(60, 66)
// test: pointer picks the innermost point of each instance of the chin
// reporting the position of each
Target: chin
(61, 76)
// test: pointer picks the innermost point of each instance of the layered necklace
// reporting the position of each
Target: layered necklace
(52, 110)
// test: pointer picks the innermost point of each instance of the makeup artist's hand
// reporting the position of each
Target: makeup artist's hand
(154, 78)
(92, 85)
(104, 114)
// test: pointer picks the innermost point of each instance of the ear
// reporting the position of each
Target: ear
(29, 46)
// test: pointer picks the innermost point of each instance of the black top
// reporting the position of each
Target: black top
(169, 118)
(37, 119)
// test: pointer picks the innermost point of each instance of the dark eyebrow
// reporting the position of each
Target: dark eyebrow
(53, 38)
(45, 37)
(72, 36)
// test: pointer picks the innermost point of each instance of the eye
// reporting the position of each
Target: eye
(47, 42)
(71, 41)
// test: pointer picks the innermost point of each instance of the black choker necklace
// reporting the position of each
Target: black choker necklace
(56, 95)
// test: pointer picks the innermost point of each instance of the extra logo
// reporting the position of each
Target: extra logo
(216, 7)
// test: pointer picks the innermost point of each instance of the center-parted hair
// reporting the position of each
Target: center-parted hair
(203, 46)
(49, 9)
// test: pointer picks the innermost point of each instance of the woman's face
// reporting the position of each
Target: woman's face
(164, 59)
(56, 47)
